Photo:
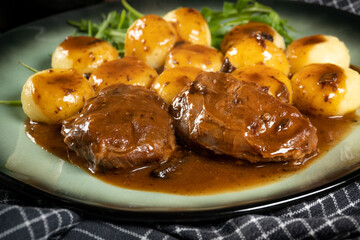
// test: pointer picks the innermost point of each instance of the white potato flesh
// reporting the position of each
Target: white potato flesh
(171, 81)
(275, 82)
(150, 38)
(317, 49)
(53, 95)
(190, 25)
(252, 51)
(83, 53)
(326, 90)
(204, 57)
(128, 70)
(251, 30)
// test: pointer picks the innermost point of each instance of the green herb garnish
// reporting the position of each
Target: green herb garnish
(11, 102)
(242, 12)
(18, 102)
(28, 67)
(114, 25)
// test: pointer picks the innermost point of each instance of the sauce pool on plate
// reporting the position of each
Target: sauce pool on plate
(199, 173)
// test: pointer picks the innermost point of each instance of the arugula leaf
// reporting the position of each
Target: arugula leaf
(112, 28)
(241, 12)
(11, 102)
(207, 13)
(229, 9)
(28, 67)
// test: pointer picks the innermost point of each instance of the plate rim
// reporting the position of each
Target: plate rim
(140, 216)
(133, 215)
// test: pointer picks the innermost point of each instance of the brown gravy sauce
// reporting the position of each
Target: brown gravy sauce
(199, 173)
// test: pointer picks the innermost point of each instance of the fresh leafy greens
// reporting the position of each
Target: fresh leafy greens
(11, 102)
(241, 12)
(28, 67)
(18, 102)
(114, 25)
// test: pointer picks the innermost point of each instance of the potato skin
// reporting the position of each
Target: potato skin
(53, 95)
(190, 25)
(275, 82)
(150, 38)
(251, 30)
(317, 49)
(252, 51)
(83, 53)
(195, 55)
(171, 81)
(326, 90)
(128, 70)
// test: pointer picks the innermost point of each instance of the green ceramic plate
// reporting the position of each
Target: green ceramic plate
(24, 162)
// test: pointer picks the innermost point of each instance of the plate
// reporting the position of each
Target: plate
(29, 168)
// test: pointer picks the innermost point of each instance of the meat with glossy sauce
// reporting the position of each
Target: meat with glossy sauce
(236, 118)
(122, 127)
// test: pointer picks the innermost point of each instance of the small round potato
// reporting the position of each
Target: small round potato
(53, 95)
(83, 53)
(190, 25)
(251, 30)
(171, 81)
(150, 38)
(326, 90)
(275, 82)
(252, 51)
(317, 49)
(127, 70)
(195, 55)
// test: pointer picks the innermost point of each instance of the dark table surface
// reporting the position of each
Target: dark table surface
(335, 215)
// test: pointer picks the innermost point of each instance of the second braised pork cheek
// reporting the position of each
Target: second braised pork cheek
(122, 127)
(235, 118)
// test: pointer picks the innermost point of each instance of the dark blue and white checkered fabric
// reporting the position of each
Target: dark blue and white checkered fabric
(352, 6)
(333, 216)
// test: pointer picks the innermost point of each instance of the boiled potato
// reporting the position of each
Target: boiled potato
(83, 53)
(275, 82)
(171, 81)
(53, 95)
(252, 51)
(195, 55)
(127, 70)
(190, 25)
(150, 38)
(326, 89)
(317, 49)
(251, 30)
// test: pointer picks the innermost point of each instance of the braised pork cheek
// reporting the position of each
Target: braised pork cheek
(227, 116)
(122, 127)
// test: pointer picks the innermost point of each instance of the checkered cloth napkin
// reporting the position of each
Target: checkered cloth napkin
(333, 216)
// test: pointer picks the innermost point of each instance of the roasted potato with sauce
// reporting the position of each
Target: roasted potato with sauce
(150, 38)
(190, 25)
(317, 49)
(251, 30)
(326, 89)
(83, 53)
(53, 95)
(195, 55)
(171, 81)
(275, 82)
(127, 70)
(252, 51)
